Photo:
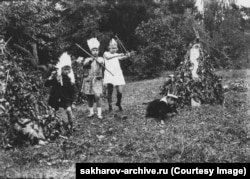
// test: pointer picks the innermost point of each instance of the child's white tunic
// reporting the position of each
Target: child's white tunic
(113, 65)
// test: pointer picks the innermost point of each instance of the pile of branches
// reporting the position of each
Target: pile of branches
(207, 89)
(238, 86)
(25, 116)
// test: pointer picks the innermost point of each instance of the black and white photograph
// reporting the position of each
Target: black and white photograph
(124, 82)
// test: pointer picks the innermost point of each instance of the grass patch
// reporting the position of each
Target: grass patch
(204, 134)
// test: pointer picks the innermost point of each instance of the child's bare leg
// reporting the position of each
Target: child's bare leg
(98, 101)
(90, 100)
(91, 105)
(110, 92)
(119, 97)
(98, 106)
(70, 116)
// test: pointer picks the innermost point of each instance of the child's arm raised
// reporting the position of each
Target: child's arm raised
(124, 56)
(51, 80)
(79, 59)
(120, 56)
(109, 56)
(100, 60)
(87, 61)
(74, 93)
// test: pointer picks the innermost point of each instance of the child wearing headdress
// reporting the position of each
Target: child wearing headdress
(112, 63)
(93, 84)
(63, 89)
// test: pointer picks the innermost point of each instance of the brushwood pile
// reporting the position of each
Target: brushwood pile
(206, 89)
(25, 116)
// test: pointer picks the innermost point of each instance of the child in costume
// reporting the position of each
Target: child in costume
(117, 79)
(93, 84)
(63, 89)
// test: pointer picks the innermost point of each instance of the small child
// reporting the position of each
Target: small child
(93, 84)
(63, 91)
(117, 79)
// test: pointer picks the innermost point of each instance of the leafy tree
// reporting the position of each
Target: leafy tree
(162, 38)
(32, 25)
(122, 18)
(180, 6)
(79, 21)
(226, 28)
(162, 46)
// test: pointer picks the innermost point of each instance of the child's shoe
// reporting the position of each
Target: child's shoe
(99, 113)
(91, 113)
(119, 106)
(99, 117)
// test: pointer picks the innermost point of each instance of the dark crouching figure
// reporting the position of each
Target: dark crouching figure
(159, 108)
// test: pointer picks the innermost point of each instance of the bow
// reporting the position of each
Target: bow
(93, 58)
(124, 49)
(121, 44)
(8, 40)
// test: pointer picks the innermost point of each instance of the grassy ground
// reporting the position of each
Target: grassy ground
(204, 134)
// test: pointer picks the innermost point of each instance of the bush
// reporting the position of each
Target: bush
(25, 115)
(162, 47)
(207, 89)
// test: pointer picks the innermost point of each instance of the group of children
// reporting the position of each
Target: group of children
(63, 92)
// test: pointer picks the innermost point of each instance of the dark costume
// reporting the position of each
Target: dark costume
(61, 95)
(92, 84)
(159, 109)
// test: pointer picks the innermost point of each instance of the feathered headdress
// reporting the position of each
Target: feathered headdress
(164, 99)
(171, 75)
(65, 60)
(93, 43)
(172, 96)
(112, 43)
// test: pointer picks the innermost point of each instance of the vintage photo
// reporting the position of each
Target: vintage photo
(123, 81)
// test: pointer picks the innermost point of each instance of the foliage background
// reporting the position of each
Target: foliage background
(159, 31)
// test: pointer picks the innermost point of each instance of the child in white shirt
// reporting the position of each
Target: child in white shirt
(117, 79)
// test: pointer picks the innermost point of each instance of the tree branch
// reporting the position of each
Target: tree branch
(24, 50)
(31, 58)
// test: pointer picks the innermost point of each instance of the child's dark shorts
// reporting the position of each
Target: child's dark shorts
(60, 104)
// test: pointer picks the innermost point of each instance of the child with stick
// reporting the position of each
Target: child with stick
(93, 84)
(117, 79)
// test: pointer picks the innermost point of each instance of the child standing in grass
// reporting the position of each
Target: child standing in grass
(63, 91)
(117, 79)
(93, 84)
